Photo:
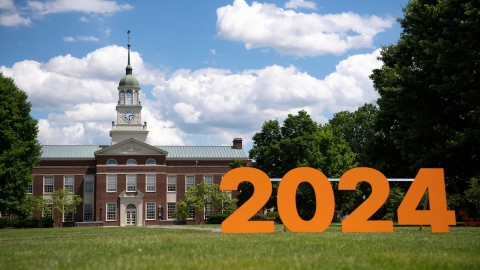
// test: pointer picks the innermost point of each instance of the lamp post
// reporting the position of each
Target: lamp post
(101, 208)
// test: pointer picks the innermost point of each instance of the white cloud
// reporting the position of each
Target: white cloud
(292, 33)
(85, 38)
(83, 19)
(300, 4)
(212, 51)
(213, 104)
(9, 15)
(88, 6)
(68, 39)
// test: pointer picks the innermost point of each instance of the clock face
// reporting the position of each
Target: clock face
(129, 116)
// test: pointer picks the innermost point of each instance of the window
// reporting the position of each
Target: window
(191, 212)
(5, 214)
(122, 97)
(111, 211)
(150, 211)
(88, 184)
(47, 184)
(111, 162)
(150, 183)
(171, 183)
(226, 204)
(68, 217)
(131, 182)
(88, 212)
(189, 181)
(129, 97)
(68, 183)
(151, 161)
(30, 188)
(131, 162)
(135, 97)
(208, 210)
(208, 179)
(170, 209)
(111, 183)
(50, 214)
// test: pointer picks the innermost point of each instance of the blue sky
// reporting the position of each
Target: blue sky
(209, 71)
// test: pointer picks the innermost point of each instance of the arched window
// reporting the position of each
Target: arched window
(135, 97)
(111, 162)
(131, 162)
(151, 161)
(129, 97)
(131, 207)
(122, 97)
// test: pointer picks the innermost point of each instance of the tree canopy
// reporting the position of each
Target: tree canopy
(429, 86)
(19, 147)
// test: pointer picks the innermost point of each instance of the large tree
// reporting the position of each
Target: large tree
(429, 86)
(19, 147)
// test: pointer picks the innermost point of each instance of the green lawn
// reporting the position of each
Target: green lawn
(154, 248)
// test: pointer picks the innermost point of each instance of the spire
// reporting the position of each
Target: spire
(128, 68)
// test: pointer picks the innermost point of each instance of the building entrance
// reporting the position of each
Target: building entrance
(131, 215)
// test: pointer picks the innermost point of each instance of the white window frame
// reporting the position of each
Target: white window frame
(131, 161)
(85, 212)
(44, 183)
(51, 211)
(131, 183)
(152, 182)
(152, 210)
(112, 205)
(208, 176)
(209, 206)
(187, 184)
(72, 184)
(86, 179)
(30, 188)
(108, 180)
(171, 207)
(150, 160)
(171, 183)
(112, 162)
(191, 213)
(68, 217)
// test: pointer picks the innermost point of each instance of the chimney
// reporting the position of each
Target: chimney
(237, 143)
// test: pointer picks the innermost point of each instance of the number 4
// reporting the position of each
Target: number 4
(438, 216)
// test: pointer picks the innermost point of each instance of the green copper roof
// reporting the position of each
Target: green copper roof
(203, 152)
(128, 80)
(70, 151)
(180, 152)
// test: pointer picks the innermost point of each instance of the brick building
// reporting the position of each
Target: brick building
(130, 183)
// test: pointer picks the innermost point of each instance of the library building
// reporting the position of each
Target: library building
(130, 183)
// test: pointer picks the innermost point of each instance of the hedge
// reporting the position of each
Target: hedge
(33, 222)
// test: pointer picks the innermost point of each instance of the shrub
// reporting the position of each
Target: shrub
(257, 217)
(275, 216)
(217, 218)
(33, 222)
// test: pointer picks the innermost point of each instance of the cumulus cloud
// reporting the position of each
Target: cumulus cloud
(216, 105)
(83, 19)
(9, 15)
(85, 38)
(88, 6)
(300, 4)
(299, 34)
(68, 39)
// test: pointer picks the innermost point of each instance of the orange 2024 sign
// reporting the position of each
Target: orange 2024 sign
(438, 217)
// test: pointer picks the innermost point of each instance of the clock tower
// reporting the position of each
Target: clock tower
(129, 109)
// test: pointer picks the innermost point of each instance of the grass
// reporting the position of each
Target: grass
(154, 248)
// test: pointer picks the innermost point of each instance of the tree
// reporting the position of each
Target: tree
(429, 86)
(63, 203)
(206, 195)
(245, 189)
(19, 147)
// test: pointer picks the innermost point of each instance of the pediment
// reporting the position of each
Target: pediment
(131, 147)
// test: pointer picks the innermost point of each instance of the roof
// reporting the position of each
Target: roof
(128, 80)
(178, 152)
(203, 152)
(70, 151)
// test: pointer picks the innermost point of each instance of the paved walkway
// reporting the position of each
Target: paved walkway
(189, 227)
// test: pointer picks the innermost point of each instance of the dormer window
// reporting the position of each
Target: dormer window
(122, 97)
(111, 162)
(129, 97)
(131, 162)
(151, 161)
